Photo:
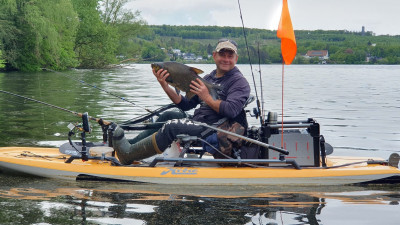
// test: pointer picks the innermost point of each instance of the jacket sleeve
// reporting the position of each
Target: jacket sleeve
(237, 94)
(187, 104)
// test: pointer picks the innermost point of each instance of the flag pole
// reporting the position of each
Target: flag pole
(288, 47)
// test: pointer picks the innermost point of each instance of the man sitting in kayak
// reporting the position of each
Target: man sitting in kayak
(235, 92)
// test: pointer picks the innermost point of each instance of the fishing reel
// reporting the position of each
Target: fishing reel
(256, 113)
(84, 127)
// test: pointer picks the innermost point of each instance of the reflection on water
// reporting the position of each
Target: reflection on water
(357, 107)
(30, 200)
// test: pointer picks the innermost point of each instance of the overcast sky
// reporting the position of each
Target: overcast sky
(379, 16)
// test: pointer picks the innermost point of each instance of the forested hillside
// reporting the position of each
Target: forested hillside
(344, 47)
(61, 34)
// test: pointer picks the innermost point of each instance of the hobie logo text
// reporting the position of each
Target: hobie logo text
(175, 171)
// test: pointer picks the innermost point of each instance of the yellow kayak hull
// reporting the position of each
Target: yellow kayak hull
(49, 162)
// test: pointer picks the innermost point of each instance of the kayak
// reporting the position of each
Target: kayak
(339, 170)
(304, 158)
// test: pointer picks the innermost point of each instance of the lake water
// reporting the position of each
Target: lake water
(358, 108)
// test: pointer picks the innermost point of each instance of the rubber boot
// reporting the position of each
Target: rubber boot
(128, 153)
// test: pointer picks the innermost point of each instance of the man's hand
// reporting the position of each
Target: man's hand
(200, 89)
(161, 76)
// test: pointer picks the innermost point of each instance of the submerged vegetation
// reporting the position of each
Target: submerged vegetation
(61, 34)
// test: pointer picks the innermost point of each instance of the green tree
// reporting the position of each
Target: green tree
(126, 23)
(392, 60)
(314, 60)
(39, 34)
(58, 33)
(1, 61)
(274, 55)
(96, 42)
(8, 30)
(210, 49)
(338, 57)
(152, 52)
(301, 60)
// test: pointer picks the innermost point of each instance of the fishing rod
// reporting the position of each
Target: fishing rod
(283, 151)
(100, 121)
(94, 86)
(262, 114)
(262, 144)
(251, 65)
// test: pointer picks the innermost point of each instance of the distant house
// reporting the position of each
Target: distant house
(177, 52)
(321, 54)
(199, 58)
(189, 56)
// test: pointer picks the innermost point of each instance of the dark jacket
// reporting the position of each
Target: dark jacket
(236, 91)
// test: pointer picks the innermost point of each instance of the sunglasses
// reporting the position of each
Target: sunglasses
(226, 39)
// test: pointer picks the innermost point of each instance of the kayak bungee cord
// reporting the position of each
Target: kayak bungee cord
(94, 86)
(58, 107)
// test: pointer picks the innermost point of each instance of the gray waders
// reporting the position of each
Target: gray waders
(169, 115)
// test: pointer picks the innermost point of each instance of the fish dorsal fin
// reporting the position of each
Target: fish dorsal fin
(197, 71)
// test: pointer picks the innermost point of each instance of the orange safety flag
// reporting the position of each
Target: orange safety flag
(286, 34)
